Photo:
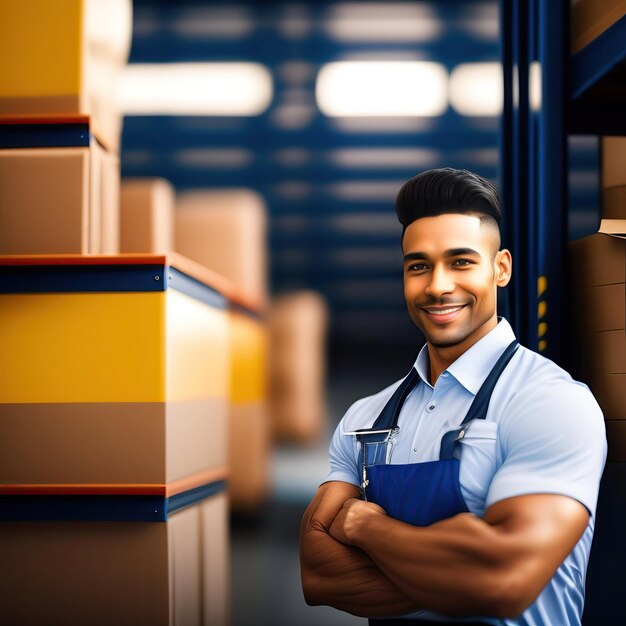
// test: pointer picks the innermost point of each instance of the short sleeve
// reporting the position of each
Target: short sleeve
(552, 440)
(343, 457)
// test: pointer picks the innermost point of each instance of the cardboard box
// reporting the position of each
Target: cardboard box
(610, 392)
(110, 204)
(603, 307)
(614, 203)
(226, 232)
(250, 428)
(62, 58)
(298, 355)
(123, 573)
(607, 352)
(59, 201)
(119, 443)
(590, 18)
(249, 456)
(147, 216)
(616, 438)
(107, 379)
(613, 161)
(599, 259)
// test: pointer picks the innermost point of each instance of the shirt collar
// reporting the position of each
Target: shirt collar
(473, 366)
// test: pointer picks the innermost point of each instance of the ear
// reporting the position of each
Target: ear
(503, 268)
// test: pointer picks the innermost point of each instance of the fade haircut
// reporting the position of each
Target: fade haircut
(447, 190)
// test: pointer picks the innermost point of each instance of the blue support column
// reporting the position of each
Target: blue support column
(552, 168)
(534, 168)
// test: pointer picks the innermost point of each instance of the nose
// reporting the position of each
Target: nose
(441, 282)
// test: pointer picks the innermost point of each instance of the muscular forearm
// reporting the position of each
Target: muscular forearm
(457, 567)
(346, 578)
(339, 575)
(466, 565)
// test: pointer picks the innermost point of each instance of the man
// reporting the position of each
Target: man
(479, 470)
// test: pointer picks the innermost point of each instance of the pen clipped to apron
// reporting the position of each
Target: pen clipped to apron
(375, 448)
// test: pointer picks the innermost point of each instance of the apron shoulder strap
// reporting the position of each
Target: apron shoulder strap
(388, 418)
(478, 409)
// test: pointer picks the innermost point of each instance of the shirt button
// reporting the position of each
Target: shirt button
(431, 407)
(414, 449)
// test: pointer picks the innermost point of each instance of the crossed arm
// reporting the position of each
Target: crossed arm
(356, 558)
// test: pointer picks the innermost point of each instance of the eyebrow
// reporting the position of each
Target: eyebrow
(414, 256)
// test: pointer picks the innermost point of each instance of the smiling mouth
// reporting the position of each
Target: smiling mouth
(444, 315)
(444, 311)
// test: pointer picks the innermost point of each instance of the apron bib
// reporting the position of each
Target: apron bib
(422, 493)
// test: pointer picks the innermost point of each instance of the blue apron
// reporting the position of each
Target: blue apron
(423, 493)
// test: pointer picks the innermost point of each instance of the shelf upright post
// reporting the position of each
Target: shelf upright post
(534, 167)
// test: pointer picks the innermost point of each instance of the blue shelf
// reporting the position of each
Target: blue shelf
(104, 279)
(598, 84)
(45, 135)
(110, 508)
(594, 67)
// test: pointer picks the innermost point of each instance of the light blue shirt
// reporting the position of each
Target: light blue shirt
(543, 433)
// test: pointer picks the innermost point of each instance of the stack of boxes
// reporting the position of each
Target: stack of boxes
(59, 125)
(114, 369)
(113, 414)
(298, 324)
(226, 231)
(598, 264)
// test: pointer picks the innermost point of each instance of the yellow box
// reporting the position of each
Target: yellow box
(117, 374)
(65, 57)
(250, 430)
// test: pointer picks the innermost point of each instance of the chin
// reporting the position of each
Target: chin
(445, 343)
(446, 339)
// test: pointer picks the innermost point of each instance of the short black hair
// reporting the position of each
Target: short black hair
(447, 190)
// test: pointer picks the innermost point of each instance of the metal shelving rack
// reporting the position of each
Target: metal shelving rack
(534, 168)
(584, 93)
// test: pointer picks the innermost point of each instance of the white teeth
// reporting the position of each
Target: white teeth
(445, 311)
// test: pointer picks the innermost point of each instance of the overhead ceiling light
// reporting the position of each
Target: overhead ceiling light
(378, 158)
(226, 89)
(218, 158)
(376, 224)
(382, 88)
(534, 85)
(224, 23)
(365, 190)
(382, 22)
(476, 89)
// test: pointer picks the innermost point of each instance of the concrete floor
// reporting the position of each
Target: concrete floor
(266, 573)
(266, 586)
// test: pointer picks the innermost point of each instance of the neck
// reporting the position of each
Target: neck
(441, 358)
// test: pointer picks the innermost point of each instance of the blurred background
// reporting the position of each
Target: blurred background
(266, 141)
(323, 109)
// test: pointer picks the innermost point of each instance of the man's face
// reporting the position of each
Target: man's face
(451, 270)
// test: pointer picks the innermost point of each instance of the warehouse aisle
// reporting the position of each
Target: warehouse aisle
(264, 549)
(266, 588)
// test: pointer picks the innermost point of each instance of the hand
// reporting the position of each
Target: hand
(350, 518)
